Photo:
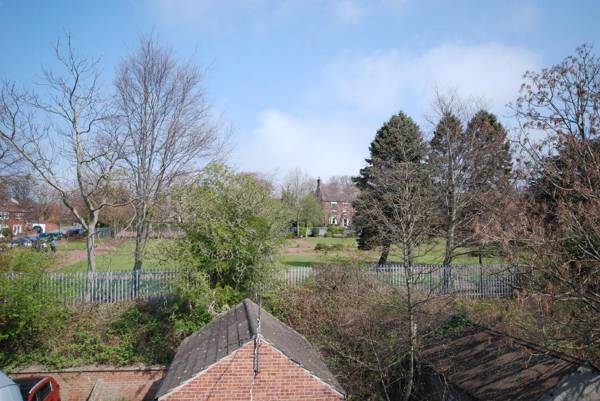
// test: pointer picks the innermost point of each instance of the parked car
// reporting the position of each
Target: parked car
(22, 241)
(57, 235)
(29, 389)
(75, 233)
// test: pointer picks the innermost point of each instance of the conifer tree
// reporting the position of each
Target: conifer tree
(398, 141)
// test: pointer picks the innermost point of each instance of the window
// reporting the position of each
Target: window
(19, 216)
(345, 222)
(333, 219)
(333, 205)
(43, 392)
(3, 215)
(17, 229)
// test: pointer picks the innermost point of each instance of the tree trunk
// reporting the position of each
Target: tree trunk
(384, 254)
(91, 257)
(141, 239)
(409, 377)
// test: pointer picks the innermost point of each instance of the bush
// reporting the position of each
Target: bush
(322, 247)
(36, 328)
(29, 260)
(28, 317)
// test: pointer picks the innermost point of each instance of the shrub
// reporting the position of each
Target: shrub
(322, 247)
(29, 260)
(28, 316)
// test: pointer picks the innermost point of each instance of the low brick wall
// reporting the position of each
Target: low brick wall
(116, 384)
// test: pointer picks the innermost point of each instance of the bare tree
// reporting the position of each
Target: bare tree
(169, 132)
(66, 137)
(296, 187)
(400, 202)
(556, 228)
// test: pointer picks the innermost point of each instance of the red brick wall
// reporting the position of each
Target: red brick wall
(119, 384)
(343, 209)
(231, 380)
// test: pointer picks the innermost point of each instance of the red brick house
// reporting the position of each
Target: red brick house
(247, 354)
(12, 217)
(336, 200)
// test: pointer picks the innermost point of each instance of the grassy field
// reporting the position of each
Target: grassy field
(301, 252)
(111, 255)
(117, 254)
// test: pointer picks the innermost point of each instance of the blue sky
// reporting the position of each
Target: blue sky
(306, 83)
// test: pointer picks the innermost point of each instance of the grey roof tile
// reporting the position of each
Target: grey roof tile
(230, 331)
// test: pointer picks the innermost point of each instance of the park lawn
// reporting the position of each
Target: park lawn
(301, 252)
(120, 256)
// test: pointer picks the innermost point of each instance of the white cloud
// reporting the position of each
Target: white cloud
(388, 80)
(320, 146)
(357, 93)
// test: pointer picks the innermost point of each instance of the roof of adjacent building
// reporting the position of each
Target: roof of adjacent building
(232, 330)
(488, 365)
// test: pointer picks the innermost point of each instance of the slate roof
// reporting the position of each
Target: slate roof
(486, 365)
(229, 332)
(337, 192)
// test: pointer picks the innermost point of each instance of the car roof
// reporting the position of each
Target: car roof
(5, 381)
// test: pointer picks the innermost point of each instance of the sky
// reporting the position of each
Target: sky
(307, 83)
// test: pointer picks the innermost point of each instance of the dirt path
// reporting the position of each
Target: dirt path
(77, 255)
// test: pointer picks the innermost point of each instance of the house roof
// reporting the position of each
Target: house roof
(492, 366)
(336, 192)
(229, 332)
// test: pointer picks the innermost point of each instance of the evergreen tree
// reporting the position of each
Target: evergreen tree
(471, 167)
(490, 158)
(399, 140)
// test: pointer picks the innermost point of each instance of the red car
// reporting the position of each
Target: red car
(39, 389)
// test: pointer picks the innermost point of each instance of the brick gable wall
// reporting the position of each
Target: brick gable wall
(230, 379)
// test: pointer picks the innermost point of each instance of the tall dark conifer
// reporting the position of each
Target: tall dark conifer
(399, 140)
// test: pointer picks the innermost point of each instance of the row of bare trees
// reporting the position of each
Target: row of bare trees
(92, 144)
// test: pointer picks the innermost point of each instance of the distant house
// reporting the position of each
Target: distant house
(479, 364)
(336, 200)
(247, 354)
(13, 218)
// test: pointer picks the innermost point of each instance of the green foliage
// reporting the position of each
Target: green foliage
(233, 228)
(323, 247)
(37, 329)
(311, 212)
(28, 316)
(30, 260)
(333, 230)
(398, 142)
(455, 324)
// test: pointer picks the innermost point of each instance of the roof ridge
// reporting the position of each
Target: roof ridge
(248, 304)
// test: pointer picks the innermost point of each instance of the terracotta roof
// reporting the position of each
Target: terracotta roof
(491, 366)
(229, 332)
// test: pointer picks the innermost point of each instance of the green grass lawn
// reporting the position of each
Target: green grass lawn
(119, 258)
(296, 252)
(301, 252)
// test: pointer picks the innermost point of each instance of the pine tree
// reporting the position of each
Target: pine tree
(399, 140)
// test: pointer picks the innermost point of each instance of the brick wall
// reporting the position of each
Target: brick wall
(117, 384)
(231, 380)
